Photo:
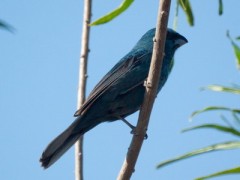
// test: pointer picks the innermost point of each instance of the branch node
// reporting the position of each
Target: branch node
(147, 84)
(163, 13)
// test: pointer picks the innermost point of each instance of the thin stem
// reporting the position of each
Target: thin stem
(150, 94)
(82, 84)
(175, 19)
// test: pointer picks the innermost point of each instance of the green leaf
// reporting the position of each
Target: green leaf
(226, 120)
(175, 19)
(216, 127)
(220, 7)
(213, 108)
(237, 54)
(235, 170)
(236, 49)
(186, 6)
(238, 38)
(221, 146)
(236, 118)
(6, 26)
(223, 89)
(110, 16)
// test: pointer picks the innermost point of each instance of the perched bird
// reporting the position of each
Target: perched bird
(119, 93)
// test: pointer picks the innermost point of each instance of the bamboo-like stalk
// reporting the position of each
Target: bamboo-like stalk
(150, 94)
(82, 84)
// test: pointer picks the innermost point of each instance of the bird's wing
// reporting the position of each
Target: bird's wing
(119, 70)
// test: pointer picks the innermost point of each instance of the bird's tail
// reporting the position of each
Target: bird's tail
(62, 143)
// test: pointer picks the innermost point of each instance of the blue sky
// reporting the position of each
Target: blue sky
(39, 77)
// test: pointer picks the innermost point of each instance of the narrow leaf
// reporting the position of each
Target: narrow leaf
(216, 127)
(220, 7)
(6, 26)
(236, 118)
(110, 16)
(235, 170)
(175, 20)
(223, 89)
(236, 49)
(237, 54)
(213, 108)
(226, 120)
(221, 146)
(238, 38)
(186, 6)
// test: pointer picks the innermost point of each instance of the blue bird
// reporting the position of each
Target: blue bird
(119, 93)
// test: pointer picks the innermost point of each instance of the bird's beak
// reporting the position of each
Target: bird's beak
(181, 41)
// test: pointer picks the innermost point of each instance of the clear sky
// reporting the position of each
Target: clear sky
(38, 88)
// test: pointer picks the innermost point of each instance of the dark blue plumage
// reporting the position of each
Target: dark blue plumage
(119, 93)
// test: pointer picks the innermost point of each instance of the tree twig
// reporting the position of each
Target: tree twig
(82, 84)
(150, 94)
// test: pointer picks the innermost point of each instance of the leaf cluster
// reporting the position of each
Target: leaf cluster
(228, 128)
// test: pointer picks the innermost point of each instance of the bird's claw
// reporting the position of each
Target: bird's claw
(133, 131)
(146, 136)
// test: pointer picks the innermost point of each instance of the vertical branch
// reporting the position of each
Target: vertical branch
(150, 94)
(82, 84)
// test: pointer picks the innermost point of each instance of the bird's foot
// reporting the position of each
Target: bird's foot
(133, 131)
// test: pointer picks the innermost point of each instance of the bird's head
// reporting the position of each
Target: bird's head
(173, 40)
